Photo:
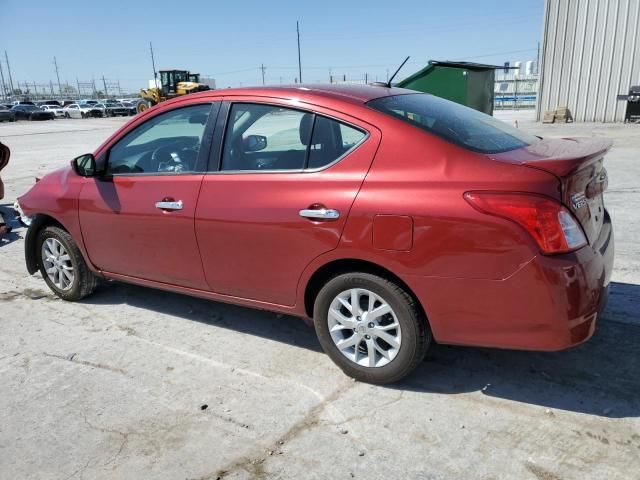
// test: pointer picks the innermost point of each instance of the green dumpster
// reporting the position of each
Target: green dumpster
(469, 84)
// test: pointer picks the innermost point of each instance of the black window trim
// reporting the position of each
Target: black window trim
(203, 154)
(217, 150)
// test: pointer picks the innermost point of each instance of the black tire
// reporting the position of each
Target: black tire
(84, 281)
(416, 334)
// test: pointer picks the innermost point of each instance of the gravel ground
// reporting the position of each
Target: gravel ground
(137, 383)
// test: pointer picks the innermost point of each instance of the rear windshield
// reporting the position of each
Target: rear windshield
(453, 122)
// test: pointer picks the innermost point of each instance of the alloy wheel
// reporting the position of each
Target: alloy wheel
(364, 327)
(57, 264)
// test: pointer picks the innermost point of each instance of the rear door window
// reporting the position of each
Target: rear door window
(453, 122)
(271, 138)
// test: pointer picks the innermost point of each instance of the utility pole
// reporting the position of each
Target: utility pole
(153, 63)
(4, 87)
(299, 58)
(262, 69)
(104, 82)
(78, 82)
(6, 57)
(55, 63)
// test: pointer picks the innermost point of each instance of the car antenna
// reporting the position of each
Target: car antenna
(388, 84)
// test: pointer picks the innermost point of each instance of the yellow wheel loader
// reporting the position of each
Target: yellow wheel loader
(173, 83)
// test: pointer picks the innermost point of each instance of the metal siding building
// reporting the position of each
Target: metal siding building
(590, 54)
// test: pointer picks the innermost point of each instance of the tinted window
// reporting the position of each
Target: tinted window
(168, 143)
(330, 140)
(455, 123)
(266, 137)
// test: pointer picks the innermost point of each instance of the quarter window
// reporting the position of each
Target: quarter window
(168, 143)
(330, 141)
(267, 137)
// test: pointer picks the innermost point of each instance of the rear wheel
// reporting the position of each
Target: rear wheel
(370, 327)
(62, 265)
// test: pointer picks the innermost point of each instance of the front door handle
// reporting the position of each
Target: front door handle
(169, 205)
(320, 213)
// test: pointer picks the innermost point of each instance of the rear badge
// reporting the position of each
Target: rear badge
(578, 200)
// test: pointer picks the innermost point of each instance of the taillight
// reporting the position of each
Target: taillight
(550, 224)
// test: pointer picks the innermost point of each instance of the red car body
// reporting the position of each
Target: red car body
(481, 279)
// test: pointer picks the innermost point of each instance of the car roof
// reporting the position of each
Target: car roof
(346, 92)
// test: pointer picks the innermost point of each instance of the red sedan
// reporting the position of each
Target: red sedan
(390, 218)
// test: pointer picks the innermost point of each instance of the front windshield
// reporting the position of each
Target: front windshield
(454, 122)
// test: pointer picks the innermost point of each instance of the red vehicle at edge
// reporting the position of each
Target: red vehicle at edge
(389, 217)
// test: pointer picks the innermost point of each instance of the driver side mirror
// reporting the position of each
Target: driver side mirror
(254, 143)
(85, 165)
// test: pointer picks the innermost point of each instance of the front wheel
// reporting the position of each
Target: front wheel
(62, 265)
(370, 327)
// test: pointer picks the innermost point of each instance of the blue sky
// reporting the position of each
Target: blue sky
(230, 40)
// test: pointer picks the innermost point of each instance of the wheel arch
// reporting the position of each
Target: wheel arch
(339, 266)
(30, 255)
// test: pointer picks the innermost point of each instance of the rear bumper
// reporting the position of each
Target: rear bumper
(550, 303)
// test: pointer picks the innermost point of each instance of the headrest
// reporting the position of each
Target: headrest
(306, 124)
(322, 130)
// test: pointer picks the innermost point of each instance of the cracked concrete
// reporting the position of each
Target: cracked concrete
(113, 387)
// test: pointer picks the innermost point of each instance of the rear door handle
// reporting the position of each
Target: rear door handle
(320, 213)
(169, 205)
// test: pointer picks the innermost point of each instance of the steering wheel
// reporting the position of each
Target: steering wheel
(168, 159)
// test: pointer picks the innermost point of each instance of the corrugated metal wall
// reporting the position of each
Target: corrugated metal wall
(590, 54)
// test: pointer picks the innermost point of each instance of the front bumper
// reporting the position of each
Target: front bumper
(23, 217)
(550, 303)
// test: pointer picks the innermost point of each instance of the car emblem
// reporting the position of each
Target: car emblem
(578, 200)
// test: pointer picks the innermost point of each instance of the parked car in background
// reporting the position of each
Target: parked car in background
(81, 111)
(113, 109)
(131, 108)
(98, 106)
(31, 112)
(41, 103)
(6, 115)
(57, 110)
(22, 102)
(406, 218)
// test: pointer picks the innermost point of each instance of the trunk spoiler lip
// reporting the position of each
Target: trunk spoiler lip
(560, 156)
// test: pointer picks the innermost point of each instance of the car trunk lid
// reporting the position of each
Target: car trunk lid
(578, 164)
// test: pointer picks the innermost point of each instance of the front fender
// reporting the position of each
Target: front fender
(30, 257)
